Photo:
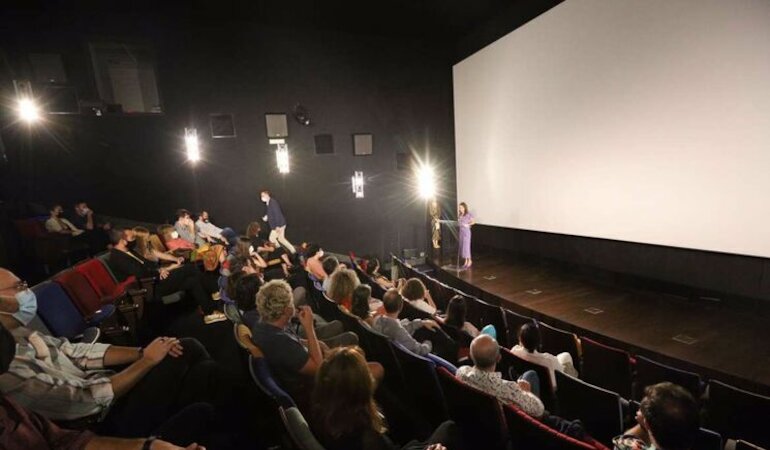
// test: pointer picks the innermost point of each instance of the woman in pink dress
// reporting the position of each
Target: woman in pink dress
(465, 220)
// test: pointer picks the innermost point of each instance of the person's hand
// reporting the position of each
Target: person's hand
(89, 212)
(435, 447)
(179, 260)
(157, 350)
(163, 274)
(163, 445)
(524, 385)
(306, 317)
(430, 324)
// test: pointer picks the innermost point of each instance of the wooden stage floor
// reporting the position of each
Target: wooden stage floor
(730, 345)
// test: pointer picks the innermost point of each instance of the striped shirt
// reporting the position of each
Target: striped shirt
(56, 378)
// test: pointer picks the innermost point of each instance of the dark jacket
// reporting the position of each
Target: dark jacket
(275, 215)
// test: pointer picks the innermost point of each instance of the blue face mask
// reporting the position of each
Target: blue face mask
(27, 306)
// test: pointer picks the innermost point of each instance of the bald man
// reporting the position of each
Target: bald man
(485, 353)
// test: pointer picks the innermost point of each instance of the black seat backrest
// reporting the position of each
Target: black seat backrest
(606, 367)
(493, 315)
(381, 350)
(511, 366)
(649, 372)
(708, 440)
(738, 414)
(412, 312)
(555, 341)
(328, 309)
(600, 410)
(743, 445)
(425, 392)
(478, 414)
(513, 323)
(354, 325)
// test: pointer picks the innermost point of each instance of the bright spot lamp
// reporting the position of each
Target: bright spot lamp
(426, 182)
(282, 158)
(28, 110)
(358, 184)
(191, 143)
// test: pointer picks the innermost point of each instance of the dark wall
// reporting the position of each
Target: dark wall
(690, 273)
(400, 90)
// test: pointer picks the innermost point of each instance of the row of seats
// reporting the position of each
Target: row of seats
(608, 376)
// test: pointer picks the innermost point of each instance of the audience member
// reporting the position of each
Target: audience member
(18, 304)
(277, 258)
(666, 420)
(143, 248)
(526, 349)
(329, 264)
(345, 415)
(186, 227)
(61, 380)
(342, 283)
(485, 353)
(58, 224)
(171, 239)
(207, 230)
(277, 222)
(186, 277)
(360, 306)
(455, 316)
(243, 291)
(415, 292)
(24, 429)
(401, 331)
(373, 270)
(96, 233)
(313, 262)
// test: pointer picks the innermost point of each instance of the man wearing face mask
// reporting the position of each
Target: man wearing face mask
(18, 304)
(96, 233)
(57, 223)
(71, 389)
(124, 263)
(276, 221)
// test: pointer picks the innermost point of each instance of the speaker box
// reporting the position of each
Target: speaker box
(324, 144)
(276, 125)
(222, 126)
(363, 144)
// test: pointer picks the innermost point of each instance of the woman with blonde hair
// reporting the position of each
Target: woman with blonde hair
(343, 283)
(345, 414)
(144, 249)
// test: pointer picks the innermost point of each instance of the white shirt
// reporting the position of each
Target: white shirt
(544, 359)
(506, 391)
(423, 305)
(209, 229)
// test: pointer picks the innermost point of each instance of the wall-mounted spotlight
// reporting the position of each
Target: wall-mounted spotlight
(358, 184)
(191, 143)
(26, 107)
(426, 182)
(282, 158)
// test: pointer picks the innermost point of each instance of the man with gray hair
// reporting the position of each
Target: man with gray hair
(485, 353)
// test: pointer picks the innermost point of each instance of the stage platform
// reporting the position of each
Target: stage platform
(717, 340)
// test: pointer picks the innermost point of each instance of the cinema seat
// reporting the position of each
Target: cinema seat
(260, 373)
(60, 315)
(649, 372)
(103, 282)
(297, 429)
(708, 440)
(328, 309)
(528, 433)
(81, 292)
(606, 367)
(511, 366)
(492, 315)
(738, 414)
(513, 323)
(381, 350)
(423, 388)
(352, 324)
(555, 341)
(600, 410)
(478, 414)
(743, 445)
(411, 312)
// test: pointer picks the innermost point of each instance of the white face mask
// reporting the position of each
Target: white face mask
(174, 235)
(27, 306)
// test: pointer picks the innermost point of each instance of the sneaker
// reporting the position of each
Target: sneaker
(214, 318)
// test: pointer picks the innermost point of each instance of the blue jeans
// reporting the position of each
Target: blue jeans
(531, 377)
